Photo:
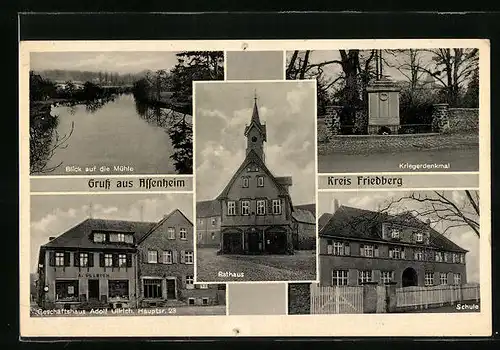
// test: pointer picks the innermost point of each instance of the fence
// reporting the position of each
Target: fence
(336, 299)
(435, 295)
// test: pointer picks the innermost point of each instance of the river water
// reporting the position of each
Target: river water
(114, 135)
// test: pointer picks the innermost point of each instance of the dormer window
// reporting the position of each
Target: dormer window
(260, 181)
(99, 237)
(395, 233)
(419, 237)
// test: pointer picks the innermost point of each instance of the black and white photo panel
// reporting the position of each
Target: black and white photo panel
(115, 112)
(394, 252)
(116, 255)
(255, 181)
(404, 110)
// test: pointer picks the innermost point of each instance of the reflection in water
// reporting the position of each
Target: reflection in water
(179, 128)
(113, 132)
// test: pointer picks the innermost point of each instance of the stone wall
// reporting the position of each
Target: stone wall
(463, 119)
(299, 298)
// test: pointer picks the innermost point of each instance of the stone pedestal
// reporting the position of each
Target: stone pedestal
(383, 107)
(440, 121)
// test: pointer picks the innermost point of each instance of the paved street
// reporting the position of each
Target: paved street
(298, 267)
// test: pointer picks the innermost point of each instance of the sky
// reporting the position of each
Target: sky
(221, 112)
(255, 65)
(53, 215)
(373, 200)
(117, 62)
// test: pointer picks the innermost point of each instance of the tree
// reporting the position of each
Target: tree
(452, 68)
(193, 65)
(440, 207)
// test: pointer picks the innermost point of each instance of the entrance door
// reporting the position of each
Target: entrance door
(94, 289)
(409, 277)
(232, 243)
(170, 289)
(254, 242)
(275, 242)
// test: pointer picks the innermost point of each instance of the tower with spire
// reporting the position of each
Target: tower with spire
(255, 132)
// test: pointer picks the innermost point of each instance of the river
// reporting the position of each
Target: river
(114, 135)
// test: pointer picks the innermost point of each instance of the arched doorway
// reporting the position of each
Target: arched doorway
(275, 241)
(410, 277)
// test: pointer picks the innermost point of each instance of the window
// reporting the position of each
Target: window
(245, 182)
(167, 257)
(152, 256)
(367, 250)
(214, 221)
(117, 237)
(189, 282)
(364, 276)
(387, 276)
(419, 255)
(277, 206)
(182, 233)
(204, 301)
(438, 256)
(122, 260)
(231, 208)
(457, 279)
(260, 181)
(462, 258)
(190, 301)
(213, 236)
(201, 221)
(340, 277)
(67, 290)
(171, 232)
(200, 236)
(419, 236)
(443, 278)
(338, 248)
(245, 207)
(429, 278)
(446, 257)
(152, 288)
(203, 286)
(59, 259)
(456, 259)
(84, 260)
(129, 239)
(261, 207)
(99, 237)
(118, 289)
(396, 253)
(189, 257)
(108, 260)
(395, 233)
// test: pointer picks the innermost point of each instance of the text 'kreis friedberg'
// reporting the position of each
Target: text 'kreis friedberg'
(362, 181)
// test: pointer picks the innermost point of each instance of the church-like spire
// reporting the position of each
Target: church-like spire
(255, 132)
(255, 114)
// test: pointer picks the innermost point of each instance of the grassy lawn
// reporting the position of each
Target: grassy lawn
(212, 267)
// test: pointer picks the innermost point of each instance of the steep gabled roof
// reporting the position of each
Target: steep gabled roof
(79, 236)
(206, 209)
(309, 207)
(252, 157)
(165, 218)
(303, 216)
(323, 220)
(358, 223)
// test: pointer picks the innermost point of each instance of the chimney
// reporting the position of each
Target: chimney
(334, 206)
(51, 238)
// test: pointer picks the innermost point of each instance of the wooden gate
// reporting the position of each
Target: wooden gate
(336, 299)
